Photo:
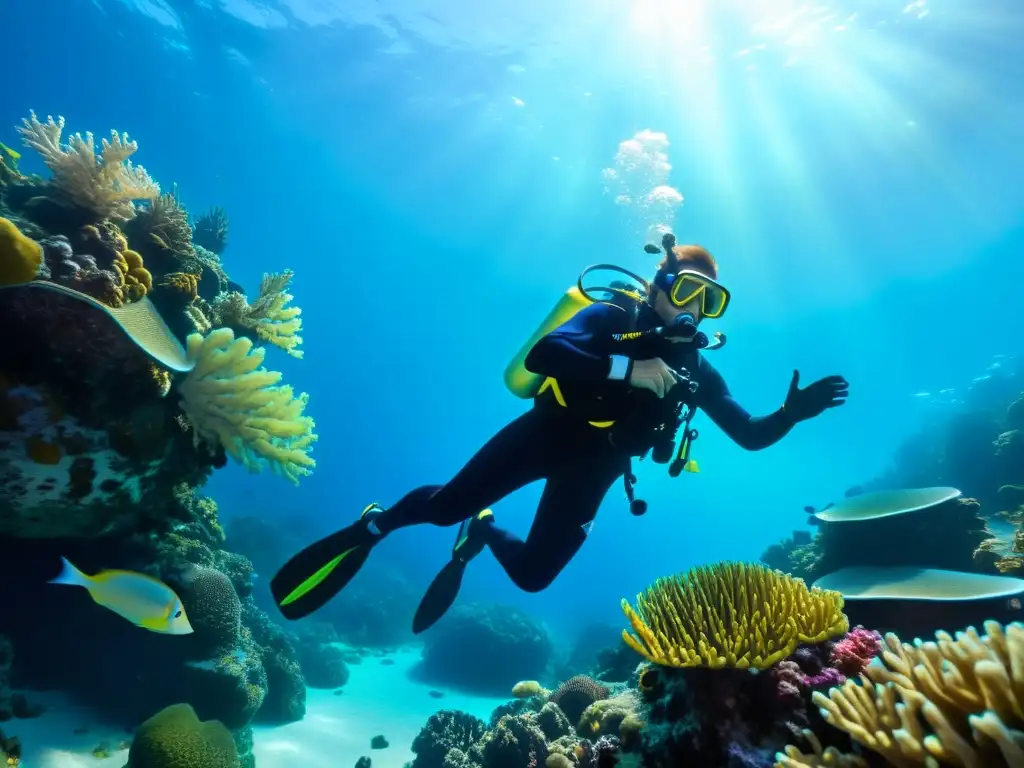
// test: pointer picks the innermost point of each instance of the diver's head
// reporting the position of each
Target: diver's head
(685, 287)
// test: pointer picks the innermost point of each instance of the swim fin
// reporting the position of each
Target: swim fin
(311, 578)
(445, 587)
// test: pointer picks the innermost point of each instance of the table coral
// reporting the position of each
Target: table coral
(731, 615)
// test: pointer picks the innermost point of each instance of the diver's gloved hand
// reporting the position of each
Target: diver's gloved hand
(812, 400)
(653, 374)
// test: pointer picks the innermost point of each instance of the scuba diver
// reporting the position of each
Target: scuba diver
(611, 380)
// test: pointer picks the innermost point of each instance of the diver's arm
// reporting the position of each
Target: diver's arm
(585, 347)
(750, 432)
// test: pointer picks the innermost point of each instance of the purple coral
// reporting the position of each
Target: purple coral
(789, 681)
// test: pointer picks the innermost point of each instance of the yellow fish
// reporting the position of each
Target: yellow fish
(146, 602)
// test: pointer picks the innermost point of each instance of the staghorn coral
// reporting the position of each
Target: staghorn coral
(268, 316)
(106, 184)
(955, 701)
(232, 401)
(731, 615)
(175, 738)
(211, 230)
(20, 255)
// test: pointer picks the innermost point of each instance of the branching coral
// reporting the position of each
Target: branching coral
(731, 615)
(211, 230)
(819, 758)
(268, 316)
(164, 221)
(230, 399)
(956, 701)
(105, 184)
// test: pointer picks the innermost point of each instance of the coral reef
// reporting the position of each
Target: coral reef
(946, 536)
(731, 615)
(951, 701)
(485, 648)
(105, 185)
(230, 400)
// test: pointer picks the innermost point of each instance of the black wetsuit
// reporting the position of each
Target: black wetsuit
(557, 443)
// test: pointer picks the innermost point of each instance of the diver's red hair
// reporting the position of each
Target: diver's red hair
(693, 257)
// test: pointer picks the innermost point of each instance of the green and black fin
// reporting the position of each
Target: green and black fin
(445, 587)
(320, 571)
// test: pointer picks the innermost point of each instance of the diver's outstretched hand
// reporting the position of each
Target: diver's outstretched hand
(814, 399)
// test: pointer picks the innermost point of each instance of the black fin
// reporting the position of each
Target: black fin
(293, 593)
(439, 596)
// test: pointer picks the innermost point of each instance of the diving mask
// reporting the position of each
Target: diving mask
(687, 285)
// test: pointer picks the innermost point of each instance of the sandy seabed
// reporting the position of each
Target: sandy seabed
(379, 698)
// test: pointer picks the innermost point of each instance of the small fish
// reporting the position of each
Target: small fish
(146, 602)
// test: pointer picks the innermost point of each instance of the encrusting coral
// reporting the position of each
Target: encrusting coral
(231, 400)
(106, 184)
(738, 615)
(952, 702)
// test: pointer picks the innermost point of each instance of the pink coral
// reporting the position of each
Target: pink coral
(855, 651)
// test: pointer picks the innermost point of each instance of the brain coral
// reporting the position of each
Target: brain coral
(213, 609)
(175, 738)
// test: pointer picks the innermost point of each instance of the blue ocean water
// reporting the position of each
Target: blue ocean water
(436, 174)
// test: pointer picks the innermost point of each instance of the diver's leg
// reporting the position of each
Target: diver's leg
(516, 456)
(567, 507)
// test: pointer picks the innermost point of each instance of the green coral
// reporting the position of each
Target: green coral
(175, 738)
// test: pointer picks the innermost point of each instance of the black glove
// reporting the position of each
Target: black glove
(812, 400)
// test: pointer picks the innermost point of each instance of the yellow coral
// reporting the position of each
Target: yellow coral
(955, 701)
(737, 615)
(230, 399)
(528, 688)
(20, 255)
(185, 282)
(827, 758)
(273, 321)
(136, 278)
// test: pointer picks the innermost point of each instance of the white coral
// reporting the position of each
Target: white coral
(105, 184)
